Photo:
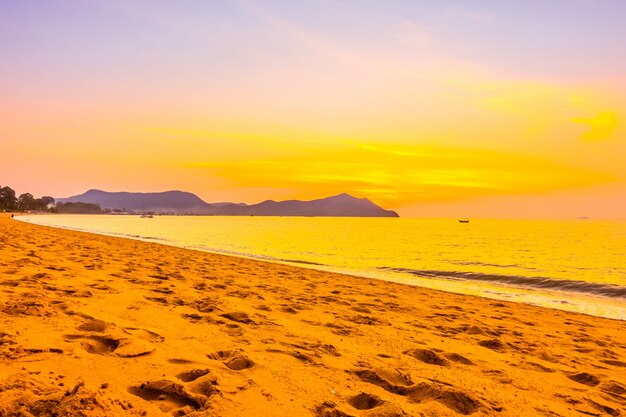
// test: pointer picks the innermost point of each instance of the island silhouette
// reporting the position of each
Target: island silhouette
(181, 202)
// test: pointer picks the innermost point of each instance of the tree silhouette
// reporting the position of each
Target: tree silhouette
(45, 202)
(25, 202)
(7, 199)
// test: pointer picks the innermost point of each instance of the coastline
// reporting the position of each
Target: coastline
(601, 299)
(139, 328)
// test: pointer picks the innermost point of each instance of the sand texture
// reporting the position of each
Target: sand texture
(102, 326)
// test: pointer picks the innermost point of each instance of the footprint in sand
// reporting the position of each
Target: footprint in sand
(103, 287)
(67, 308)
(193, 317)
(458, 358)
(168, 395)
(10, 283)
(69, 291)
(205, 305)
(26, 307)
(95, 344)
(192, 375)
(536, 367)
(238, 316)
(391, 381)
(401, 384)
(288, 309)
(160, 300)
(615, 363)
(474, 330)
(234, 360)
(364, 401)
(102, 345)
(493, 344)
(329, 409)
(600, 407)
(614, 387)
(341, 329)
(232, 329)
(166, 291)
(428, 356)
(94, 325)
(585, 379)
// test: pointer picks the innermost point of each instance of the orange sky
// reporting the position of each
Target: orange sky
(431, 110)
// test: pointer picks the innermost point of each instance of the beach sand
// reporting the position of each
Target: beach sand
(103, 326)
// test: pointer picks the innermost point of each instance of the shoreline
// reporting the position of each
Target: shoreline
(126, 327)
(552, 298)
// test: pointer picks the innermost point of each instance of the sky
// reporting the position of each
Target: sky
(451, 108)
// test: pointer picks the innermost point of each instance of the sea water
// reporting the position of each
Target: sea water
(573, 265)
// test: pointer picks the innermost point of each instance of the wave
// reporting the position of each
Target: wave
(593, 288)
(297, 261)
(476, 263)
(160, 239)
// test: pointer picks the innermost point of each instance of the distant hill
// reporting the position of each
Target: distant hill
(168, 201)
(342, 205)
(180, 202)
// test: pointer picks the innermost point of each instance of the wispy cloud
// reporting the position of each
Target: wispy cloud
(601, 127)
(397, 175)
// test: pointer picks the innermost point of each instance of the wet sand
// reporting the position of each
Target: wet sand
(104, 326)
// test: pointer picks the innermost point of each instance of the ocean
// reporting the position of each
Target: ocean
(572, 265)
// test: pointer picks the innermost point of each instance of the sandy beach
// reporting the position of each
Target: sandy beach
(104, 326)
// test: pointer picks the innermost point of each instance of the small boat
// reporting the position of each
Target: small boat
(146, 216)
(463, 221)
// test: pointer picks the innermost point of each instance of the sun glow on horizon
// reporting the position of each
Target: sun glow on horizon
(396, 175)
(245, 101)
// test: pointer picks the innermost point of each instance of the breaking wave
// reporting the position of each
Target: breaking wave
(592, 288)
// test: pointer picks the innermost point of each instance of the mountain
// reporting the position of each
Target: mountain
(342, 205)
(180, 202)
(169, 201)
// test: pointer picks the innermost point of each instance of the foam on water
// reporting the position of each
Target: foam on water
(590, 288)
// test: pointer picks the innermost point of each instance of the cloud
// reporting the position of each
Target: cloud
(395, 175)
(601, 127)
